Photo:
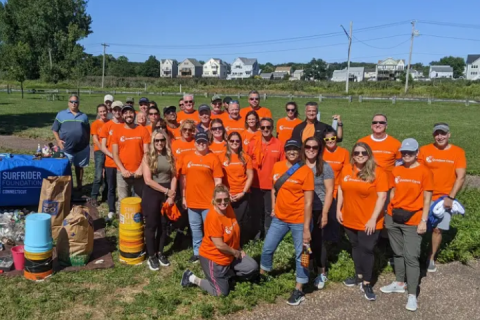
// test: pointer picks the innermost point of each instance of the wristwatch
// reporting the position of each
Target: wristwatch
(450, 198)
(340, 124)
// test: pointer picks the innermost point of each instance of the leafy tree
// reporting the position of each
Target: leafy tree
(150, 68)
(267, 67)
(18, 58)
(316, 69)
(457, 63)
(121, 68)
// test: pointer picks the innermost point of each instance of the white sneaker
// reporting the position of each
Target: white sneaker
(393, 287)
(111, 215)
(320, 280)
(411, 303)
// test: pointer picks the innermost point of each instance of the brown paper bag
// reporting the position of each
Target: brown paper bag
(55, 200)
(75, 240)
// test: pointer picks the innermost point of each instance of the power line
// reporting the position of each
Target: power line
(450, 24)
(447, 37)
(375, 47)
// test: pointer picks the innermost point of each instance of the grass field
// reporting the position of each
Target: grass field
(127, 292)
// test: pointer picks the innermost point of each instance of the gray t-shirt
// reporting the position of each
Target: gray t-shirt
(164, 170)
(319, 195)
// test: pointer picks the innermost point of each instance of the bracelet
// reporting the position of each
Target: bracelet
(450, 198)
(340, 124)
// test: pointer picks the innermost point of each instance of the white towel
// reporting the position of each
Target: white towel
(439, 210)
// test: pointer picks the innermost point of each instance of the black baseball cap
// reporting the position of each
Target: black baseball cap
(227, 99)
(201, 136)
(293, 143)
(143, 100)
(169, 109)
(127, 107)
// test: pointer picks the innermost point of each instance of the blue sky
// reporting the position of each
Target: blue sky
(228, 29)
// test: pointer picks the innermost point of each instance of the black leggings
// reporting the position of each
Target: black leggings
(241, 213)
(318, 245)
(362, 251)
(155, 221)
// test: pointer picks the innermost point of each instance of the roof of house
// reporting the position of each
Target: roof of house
(441, 69)
(193, 61)
(397, 61)
(163, 60)
(279, 74)
(471, 58)
(249, 61)
(283, 69)
(298, 72)
(266, 75)
(370, 70)
(352, 69)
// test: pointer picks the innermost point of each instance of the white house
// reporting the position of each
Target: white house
(190, 68)
(356, 74)
(215, 68)
(296, 75)
(472, 71)
(168, 68)
(440, 72)
(416, 74)
(243, 68)
(389, 69)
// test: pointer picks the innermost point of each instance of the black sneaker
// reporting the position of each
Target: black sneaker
(185, 282)
(351, 282)
(194, 259)
(296, 298)
(164, 261)
(153, 263)
(369, 294)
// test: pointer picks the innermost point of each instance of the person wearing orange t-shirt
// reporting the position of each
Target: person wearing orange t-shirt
(98, 155)
(106, 135)
(186, 143)
(201, 171)
(254, 100)
(238, 176)
(449, 166)
(189, 111)
(286, 125)
(360, 200)
(406, 220)
(234, 122)
(252, 126)
(265, 151)
(217, 112)
(173, 127)
(129, 144)
(221, 256)
(292, 199)
(205, 118)
(219, 138)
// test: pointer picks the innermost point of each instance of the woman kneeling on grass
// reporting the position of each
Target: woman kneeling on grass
(406, 220)
(293, 190)
(220, 255)
(360, 200)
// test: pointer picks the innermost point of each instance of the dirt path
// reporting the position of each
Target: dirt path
(451, 293)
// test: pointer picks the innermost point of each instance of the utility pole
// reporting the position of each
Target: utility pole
(50, 56)
(414, 33)
(103, 69)
(349, 36)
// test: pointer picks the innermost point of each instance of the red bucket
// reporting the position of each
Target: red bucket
(18, 257)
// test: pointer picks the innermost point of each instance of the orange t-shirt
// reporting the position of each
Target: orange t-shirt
(336, 159)
(232, 125)
(218, 148)
(180, 146)
(269, 154)
(290, 200)
(217, 225)
(359, 197)
(182, 116)
(95, 129)
(222, 116)
(235, 171)
(285, 128)
(308, 132)
(409, 184)
(247, 136)
(200, 171)
(130, 146)
(443, 164)
(261, 111)
(386, 152)
(107, 132)
(177, 134)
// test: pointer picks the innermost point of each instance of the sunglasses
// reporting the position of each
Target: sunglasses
(190, 130)
(256, 99)
(187, 101)
(160, 140)
(307, 147)
(234, 141)
(162, 127)
(217, 128)
(330, 139)
(379, 122)
(290, 110)
(222, 200)
(408, 153)
(181, 104)
(266, 127)
(217, 102)
(73, 101)
(168, 112)
(153, 114)
(357, 153)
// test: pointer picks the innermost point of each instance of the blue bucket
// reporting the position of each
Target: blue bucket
(38, 233)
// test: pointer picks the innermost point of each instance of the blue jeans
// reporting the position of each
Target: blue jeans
(196, 218)
(98, 180)
(277, 231)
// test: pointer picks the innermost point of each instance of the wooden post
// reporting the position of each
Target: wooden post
(467, 102)
(429, 100)
(264, 96)
(238, 96)
(394, 99)
(320, 98)
(206, 95)
(360, 99)
(349, 99)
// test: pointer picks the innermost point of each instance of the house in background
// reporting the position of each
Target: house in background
(389, 69)
(168, 68)
(370, 75)
(215, 68)
(416, 74)
(472, 71)
(287, 70)
(243, 68)
(190, 68)
(266, 76)
(279, 75)
(440, 72)
(296, 75)
(356, 74)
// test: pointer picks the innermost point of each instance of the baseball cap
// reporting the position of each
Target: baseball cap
(108, 97)
(293, 143)
(441, 126)
(216, 97)
(117, 104)
(169, 109)
(409, 144)
(127, 107)
(201, 136)
(143, 100)
(227, 99)
(130, 99)
(203, 107)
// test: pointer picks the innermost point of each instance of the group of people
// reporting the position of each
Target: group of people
(235, 181)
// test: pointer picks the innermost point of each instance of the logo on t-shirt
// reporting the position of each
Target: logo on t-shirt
(110, 132)
(348, 178)
(431, 159)
(123, 138)
(399, 179)
(226, 163)
(228, 230)
(191, 164)
(382, 151)
(276, 176)
(285, 128)
(246, 141)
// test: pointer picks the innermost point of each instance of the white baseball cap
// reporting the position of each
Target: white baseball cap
(108, 97)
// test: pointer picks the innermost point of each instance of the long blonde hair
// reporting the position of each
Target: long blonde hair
(368, 171)
(152, 156)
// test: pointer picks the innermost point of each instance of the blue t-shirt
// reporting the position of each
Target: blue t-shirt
(74, 130)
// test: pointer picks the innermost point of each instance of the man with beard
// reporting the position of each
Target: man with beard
(170, 115)
(130, 143)
(189, 111)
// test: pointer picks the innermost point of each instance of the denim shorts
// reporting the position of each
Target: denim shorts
(79, 159)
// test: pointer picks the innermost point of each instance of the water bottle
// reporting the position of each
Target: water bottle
(335, 124)
(39, 151)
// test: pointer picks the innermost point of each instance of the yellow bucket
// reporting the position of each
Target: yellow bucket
(131, 235)
(131, 213)
(38, 256)
(131, 249)
(133, 261)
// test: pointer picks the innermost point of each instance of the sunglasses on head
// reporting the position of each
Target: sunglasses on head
(160, 140)
(222, 200)
(357, 153)
(234, 141)
(307, 147)
(256, 99)
(330, 139)
(74, 101)
(266, 127)
(379, 122)
(217, 128)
